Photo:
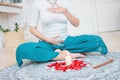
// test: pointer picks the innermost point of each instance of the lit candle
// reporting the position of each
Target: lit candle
(68, 59)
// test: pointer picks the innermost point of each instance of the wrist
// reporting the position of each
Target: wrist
(46, 39)
(65, 11)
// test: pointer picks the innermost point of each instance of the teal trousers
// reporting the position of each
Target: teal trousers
(42, 51)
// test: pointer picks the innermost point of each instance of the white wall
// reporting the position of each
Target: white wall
(97, 15)
(86, 11)
(108, 15)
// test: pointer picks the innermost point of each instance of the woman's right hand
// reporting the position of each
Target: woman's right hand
(53, 40)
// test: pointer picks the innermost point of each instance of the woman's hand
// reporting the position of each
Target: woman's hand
(53, 40)
(72, 19)
(57, 9)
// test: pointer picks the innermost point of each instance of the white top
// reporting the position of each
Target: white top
(53, 24)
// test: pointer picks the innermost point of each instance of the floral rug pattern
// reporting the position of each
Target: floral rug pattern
(40, 71)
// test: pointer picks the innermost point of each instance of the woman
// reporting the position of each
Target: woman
(54, 16)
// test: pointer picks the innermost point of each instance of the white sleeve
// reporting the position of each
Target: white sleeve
(35, 15)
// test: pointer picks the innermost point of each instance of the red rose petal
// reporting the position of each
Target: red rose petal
(76, 65)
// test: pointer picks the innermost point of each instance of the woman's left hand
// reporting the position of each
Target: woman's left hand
(57, 9)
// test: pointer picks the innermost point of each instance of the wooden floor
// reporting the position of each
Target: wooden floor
(7, 58)
(112, 39)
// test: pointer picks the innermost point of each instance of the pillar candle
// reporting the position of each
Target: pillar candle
(68, 59)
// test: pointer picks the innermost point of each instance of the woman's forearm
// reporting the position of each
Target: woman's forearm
(73, 20)
(35, 32)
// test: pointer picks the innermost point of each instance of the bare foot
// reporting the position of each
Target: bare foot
(73, 55)
(63, 54)
(77, 55)
(58, 50)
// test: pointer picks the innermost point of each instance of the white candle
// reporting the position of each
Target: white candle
(68, 59)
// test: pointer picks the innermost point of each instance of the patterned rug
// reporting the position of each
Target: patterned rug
(39, 71)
